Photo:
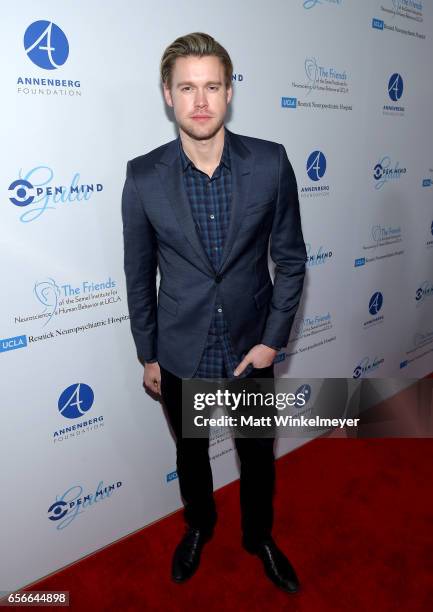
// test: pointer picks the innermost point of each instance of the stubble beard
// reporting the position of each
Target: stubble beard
(200, 134)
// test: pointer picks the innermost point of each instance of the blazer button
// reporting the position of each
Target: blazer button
(218, 278)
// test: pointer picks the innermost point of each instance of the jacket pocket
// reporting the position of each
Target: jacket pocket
(263, 295)
(168, 303)
(256, 207)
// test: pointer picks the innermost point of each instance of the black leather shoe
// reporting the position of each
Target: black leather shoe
(277, 566)
(186, 557)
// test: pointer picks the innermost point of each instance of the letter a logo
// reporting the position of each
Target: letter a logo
(46, 45)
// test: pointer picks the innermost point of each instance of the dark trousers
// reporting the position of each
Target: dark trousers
(257, 478)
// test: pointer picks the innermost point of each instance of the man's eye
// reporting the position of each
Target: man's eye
(186, 88)
(213, 87)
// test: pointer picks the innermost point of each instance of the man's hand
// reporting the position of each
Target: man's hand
(152, 377)
(261, 356)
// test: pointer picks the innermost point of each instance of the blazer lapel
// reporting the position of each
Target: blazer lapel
(170, 171)
(242, 162)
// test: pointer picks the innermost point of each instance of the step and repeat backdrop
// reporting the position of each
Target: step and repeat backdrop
(346, 86)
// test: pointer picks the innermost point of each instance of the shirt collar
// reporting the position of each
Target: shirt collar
(225, 157)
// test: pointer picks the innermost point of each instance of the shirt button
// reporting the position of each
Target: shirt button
(211, 216)
(220, 309)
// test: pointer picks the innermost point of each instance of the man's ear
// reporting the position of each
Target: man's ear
(229, 94)
(167, 94)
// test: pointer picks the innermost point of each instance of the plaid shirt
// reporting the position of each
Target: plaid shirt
(210, 200)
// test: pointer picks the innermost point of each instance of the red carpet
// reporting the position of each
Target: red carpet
(354, 517)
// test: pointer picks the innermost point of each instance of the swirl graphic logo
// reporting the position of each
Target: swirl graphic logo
(316, 165)
(311, 70)
(375, 303)
(75, 400)
(298, 325)
(395, 87)
(47, 293)
(46, 45)
(400, 5)
(309, 4)
(381, 233)
(20, 190)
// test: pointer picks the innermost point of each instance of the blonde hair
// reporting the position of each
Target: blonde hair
(197, 44)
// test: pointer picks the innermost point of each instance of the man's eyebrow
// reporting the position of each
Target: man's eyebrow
(182, 83)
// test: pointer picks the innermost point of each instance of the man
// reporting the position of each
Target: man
(203, 208)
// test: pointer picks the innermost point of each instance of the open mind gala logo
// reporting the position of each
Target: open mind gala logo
(36, 193)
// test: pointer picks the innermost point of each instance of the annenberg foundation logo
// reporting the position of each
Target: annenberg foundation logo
(36, 188)
(395, 87)
(316, 165)
(46, 45)
(75, 400)
(316, 168)
(74, 403)
(395, 92)
(384, 171)
(375, 304)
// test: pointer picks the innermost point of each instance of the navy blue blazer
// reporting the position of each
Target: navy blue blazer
(159, 230)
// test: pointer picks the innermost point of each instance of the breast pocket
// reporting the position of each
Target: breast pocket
(259, 206)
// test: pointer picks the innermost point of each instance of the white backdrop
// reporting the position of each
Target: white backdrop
(86, 455)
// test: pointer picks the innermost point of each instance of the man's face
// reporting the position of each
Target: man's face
(198, 95)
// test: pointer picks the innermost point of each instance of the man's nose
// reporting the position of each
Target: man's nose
(200, 98)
